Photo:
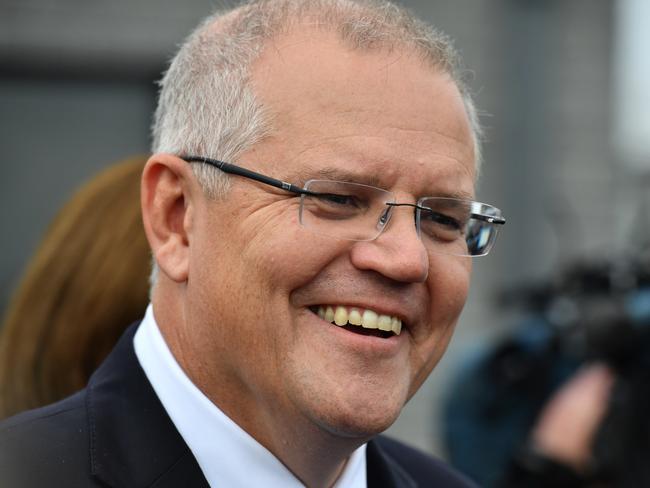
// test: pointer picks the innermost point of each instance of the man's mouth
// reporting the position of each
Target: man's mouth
(359, 320)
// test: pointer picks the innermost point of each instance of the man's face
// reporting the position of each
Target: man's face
(257, 277)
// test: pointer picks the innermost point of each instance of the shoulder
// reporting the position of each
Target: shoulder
(424, 469)
(48, 417)
(44, 446)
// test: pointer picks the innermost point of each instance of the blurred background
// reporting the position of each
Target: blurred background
(563, 86)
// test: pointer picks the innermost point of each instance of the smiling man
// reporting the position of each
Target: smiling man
(310, 211)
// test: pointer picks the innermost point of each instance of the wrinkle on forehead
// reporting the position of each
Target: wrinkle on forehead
(316, 137)
(369, 154)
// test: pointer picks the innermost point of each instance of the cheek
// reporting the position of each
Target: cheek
(449, 282)
(448, 288)
(289, 257)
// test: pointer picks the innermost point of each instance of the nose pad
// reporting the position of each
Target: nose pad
(384, 218)
(401, 256)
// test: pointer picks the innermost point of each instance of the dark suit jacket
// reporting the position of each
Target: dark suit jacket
(116, 433)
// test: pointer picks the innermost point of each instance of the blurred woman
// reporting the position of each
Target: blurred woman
(85, 284)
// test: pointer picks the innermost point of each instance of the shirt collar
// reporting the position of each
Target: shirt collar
(223, 450)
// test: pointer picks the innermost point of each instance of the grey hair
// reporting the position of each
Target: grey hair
(207, 107)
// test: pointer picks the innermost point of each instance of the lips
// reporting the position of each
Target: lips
(343, 316)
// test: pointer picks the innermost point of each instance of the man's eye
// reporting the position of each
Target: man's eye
(447, 221)
(343, 200)
(335, 206)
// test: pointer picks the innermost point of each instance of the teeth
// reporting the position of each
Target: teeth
(329, 314)
(384, 323)
(369, 319)
(354, 317)
(341, 316)
(396, 326)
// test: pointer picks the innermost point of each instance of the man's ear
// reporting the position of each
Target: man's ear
(166, 196)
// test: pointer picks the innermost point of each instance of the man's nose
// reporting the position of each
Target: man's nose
(398, 253)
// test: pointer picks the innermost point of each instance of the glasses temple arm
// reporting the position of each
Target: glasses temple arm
(246, 173)
(488, 218)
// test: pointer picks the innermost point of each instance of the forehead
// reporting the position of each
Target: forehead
(377, 113)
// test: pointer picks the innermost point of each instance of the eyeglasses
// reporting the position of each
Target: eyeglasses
(358, 212)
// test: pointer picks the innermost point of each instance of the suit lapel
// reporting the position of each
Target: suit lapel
(383, 471)
(133, 442)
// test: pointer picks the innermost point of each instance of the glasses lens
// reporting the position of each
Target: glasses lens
(459, 227)
(360, 212)
(344, 210)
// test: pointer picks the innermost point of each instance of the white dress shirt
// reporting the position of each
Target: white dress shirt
(228, 456)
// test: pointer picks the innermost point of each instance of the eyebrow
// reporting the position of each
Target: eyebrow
(300, 177)
(459, 195)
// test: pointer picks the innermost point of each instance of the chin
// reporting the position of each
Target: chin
(347, 398)
(360, 419)
(360, 428)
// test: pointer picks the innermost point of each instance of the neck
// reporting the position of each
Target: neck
(314, 455)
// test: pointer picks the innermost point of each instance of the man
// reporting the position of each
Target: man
(309, 211)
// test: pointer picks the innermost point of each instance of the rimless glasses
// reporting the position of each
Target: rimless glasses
(358, 212)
